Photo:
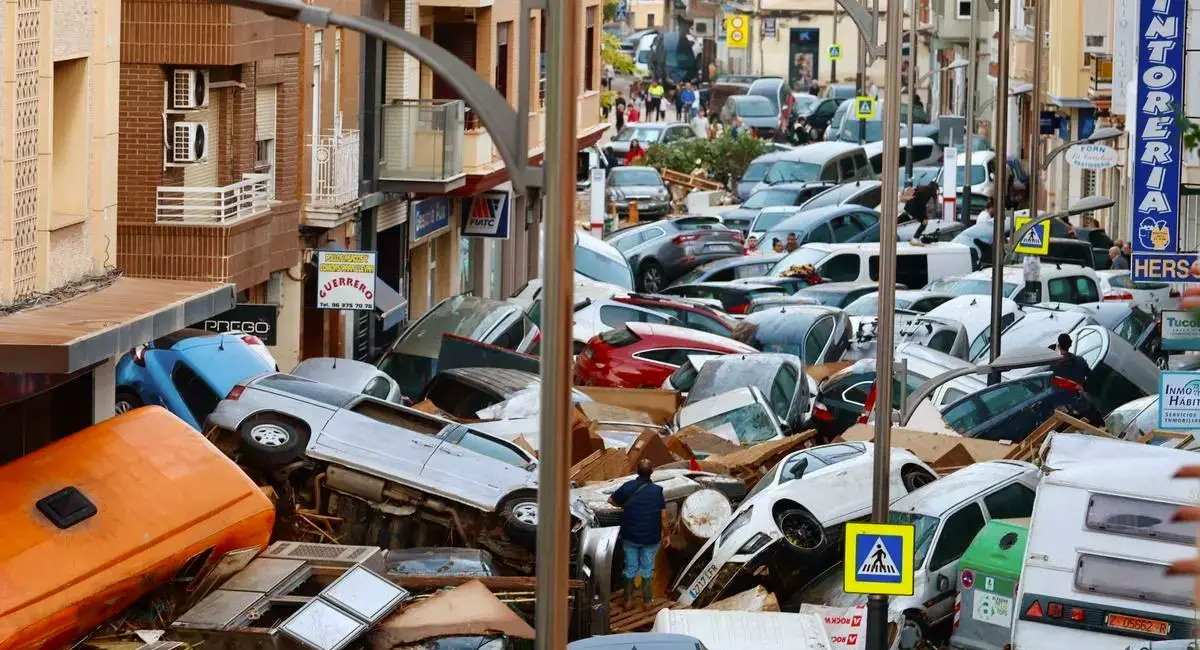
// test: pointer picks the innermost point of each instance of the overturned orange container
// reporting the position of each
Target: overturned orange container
(94, 521)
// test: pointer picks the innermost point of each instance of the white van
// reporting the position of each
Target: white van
(1095, 573)
(916, 266)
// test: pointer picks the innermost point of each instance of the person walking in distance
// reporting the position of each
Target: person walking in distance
(654, 105)
(1071, 374)
(643, 529)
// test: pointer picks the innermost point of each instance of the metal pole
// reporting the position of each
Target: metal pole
(877, 606)
(969, 127)
(553, 541)
(860, 79)
(833, 63)
(1035, 107)
(912, 89)
(1001, 129)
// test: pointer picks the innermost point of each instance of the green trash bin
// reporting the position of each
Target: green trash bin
(987, 586)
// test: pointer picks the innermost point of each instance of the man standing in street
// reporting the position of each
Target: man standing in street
(654, 105)
(643, 529)
(1071, 373)
(1119, 263)
(687, 99)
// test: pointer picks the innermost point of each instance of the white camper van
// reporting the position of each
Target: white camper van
(1095, 565)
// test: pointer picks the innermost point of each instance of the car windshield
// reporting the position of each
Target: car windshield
(767, 198)
(697, 274)
(873, 130)
(756, 172)
(803, 104)
(643, 56)
(750, 424)
(789, 171)
(1121, 417)
(768, 220)
(799, 257)
(603, 269)
(754, 107)
(978, 174)
(627, 177)
(924, 529)
(964, 287)
(642, 134)
(921, 175)
(868, 305)
(465, 316)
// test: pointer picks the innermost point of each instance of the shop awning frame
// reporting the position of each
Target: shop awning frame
(91, 328)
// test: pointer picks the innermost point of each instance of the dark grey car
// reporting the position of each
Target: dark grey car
(625, 185)
(781, 194)
(838, 294)
(815, 333)
(755, 112)
(838, 224)
(662, 251)
(755, 173)
(646, 134)
(780, 377)
(731, 268)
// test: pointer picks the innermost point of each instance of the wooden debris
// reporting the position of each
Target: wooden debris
(657, 404)
(1027, 449)
(750, 463)
(603, 465)
(691, 181)
(944, 453)
(757, 599)
(649, 445)
(638, 618)
(702, 443)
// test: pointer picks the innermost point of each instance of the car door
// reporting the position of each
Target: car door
(382, 438)
(475, 468)
(193, 400)
(957, 532)
(785, 397)
(1011, 410)
(816, 341)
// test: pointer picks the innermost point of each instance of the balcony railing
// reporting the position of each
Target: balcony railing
(422, 140)
(215, 206)
(336, 168)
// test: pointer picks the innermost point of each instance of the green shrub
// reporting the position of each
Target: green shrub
(723, 159)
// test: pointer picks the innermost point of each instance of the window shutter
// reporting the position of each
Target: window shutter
(264, 112)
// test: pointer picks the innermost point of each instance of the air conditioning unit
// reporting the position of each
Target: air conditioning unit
(469, 15)
(1096, 44)
(189, 89)
(189, 142)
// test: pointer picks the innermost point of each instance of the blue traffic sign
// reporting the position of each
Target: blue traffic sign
(622, 11)
(879, 559)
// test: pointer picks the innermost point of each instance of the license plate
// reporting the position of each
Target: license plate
(720, 247)
(703, 580)
(1137, 624)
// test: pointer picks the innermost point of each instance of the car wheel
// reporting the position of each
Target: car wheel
(126, 401)
(801, 529)
(915, 477)
(1163, 362)
(520, 517)
(651, 277)
(272, 441)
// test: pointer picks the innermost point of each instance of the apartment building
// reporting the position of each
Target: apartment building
(66, 313)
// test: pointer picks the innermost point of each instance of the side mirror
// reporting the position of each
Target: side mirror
(943, 583)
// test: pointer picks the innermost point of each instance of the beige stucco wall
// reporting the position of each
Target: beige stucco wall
(41, 248)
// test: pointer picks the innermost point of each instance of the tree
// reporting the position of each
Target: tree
(611, 54)
(724, 159)
(610, 10)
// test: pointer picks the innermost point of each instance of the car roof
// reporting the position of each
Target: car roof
(819, 151)
(748, 98)
(741, 260)
(185, 338)
(791, 187)
(946, 493)
(1017, 273)
(936, 247)
(977, 157)
(815, 214)
(876, 148)
(773, 81)
(793, 312)
(634, 168)
(331, 370)
(683, 334)
(841, 286)
(728, 284)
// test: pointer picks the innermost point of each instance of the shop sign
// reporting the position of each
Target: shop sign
(1178, 400)
(768, 28)
(1180, 331)
(1157, 151)
(346, 280)
(431, 218)
(1092, 156)
(489, 216)
(259, 320)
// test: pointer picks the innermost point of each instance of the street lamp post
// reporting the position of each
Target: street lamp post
(1001, 128)
(969, 130)
(912, 90)
(1035, 103)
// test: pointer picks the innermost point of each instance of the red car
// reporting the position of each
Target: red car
(693, 314)
(641, 355)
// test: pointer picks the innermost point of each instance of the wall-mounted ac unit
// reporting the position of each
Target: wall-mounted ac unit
(189, 142)
(1096, 44)
(189, 89)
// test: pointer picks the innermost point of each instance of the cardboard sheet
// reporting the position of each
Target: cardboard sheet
(468, 610)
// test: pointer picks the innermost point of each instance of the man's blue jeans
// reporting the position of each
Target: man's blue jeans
(639, 556)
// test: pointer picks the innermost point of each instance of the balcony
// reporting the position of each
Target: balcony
(336, 171)
(422, 146)
(214, 206)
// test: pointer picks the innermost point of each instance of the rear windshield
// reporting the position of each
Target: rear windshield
(598, 267)
(619, 337)
(787, 171)
(754, 107)
(767, 198)
(628, 177)
(768, 220)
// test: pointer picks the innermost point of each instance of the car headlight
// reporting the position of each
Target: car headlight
(615, 194)
(739, 521)
(754, 544)
(663, 194)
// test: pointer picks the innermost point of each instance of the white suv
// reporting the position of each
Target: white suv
(1066, 283)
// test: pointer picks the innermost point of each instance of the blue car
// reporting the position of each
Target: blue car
(187, 372)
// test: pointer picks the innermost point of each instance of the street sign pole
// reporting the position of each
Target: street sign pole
(1001, 129)
(877, 605)
(553, 537)
(969, 127)
(912, 88)
(1035, 108)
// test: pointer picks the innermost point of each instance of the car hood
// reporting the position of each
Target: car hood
(640, 191)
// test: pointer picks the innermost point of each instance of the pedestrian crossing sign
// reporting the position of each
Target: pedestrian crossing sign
(879, 559)
(1036, 241)
(835, 52)
(864, 108)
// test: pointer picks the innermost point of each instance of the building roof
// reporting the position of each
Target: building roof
(78, 332)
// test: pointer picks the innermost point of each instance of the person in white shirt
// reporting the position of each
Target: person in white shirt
(985, 217)
(700, 124)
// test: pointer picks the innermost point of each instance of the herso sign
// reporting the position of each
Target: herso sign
(345, 280)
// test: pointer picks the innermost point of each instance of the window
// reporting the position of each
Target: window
(865, 170)
(1031, 294)
(751, 270)
(265, 116)
(619, 337)
(782, 391)
(820, 235)
(397, 417)
(378, 387)
(492, 449)
(843, 228)
(1013, 501)
(1006, 396)
(1087, 290)
(816, 339)
(192, 567)
(70, 138)
(705, 323)
(199, 397)
(965, 415)
(650, 20)
(956, 536)
(1142, 581)
(952, 395)
(829, 172)
(503, 57)
(671, 356)
(840, 268)
(847, 165)
(1076, 290)
(1138, 518)
(614, 316)
(589, 50)
(857, 394)
(1060, 290)
(626, 243)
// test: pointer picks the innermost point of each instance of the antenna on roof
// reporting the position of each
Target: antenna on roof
(221, 342)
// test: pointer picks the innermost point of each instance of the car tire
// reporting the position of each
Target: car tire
(1162, 361)
(519, 513)
(269, 441)
(914, 627)
(914, 477)
(126, 401)
(650, 278)
(801, 530)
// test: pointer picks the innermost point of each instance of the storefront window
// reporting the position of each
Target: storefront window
(468, 272)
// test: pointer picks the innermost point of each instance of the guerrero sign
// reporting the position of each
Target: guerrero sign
(1157, 151)
(345, 280)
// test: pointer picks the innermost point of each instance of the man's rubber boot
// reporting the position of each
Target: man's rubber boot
(647, 591)
(629, 592)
